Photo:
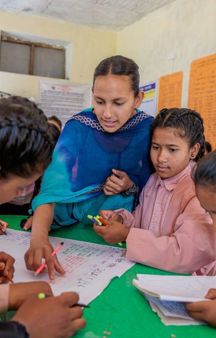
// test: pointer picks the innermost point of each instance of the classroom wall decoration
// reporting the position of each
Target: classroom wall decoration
(63, 98)
(149, 103)
(170, 90)
(202, 93)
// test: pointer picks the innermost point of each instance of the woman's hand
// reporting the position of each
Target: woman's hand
(118, 182)
(39, 250)
(6, 267)
(28, 223)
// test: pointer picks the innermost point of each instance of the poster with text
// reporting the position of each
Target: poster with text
(63, 98)
(202, 93)
(149, 103)
(170, 91)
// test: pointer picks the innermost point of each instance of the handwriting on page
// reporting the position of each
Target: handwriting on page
(89, 267)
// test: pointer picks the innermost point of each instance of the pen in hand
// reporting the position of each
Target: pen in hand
(54, 252)
(42, 295)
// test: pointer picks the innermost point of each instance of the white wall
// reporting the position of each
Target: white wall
(164, 41)
(168, 39)
(88, 47)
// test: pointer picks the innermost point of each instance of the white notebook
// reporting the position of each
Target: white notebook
(167, 295)
(175, 288)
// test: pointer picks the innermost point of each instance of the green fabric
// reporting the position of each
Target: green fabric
(121, 310)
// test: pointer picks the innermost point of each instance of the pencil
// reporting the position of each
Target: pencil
(42, 295)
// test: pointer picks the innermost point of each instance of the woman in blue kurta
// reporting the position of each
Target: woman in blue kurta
(100, 161)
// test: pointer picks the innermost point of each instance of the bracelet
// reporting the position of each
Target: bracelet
(131, 191)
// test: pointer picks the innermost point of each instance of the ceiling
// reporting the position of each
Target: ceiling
(111, 14)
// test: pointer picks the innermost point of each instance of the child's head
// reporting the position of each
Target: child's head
(54, 120)
(177, 138)
(208, 147)
(54, 128)
(205, 183)
(25, 147)
(116, 92)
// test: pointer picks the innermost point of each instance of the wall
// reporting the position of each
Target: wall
(165, 41)
(168, 39)
(88, 47)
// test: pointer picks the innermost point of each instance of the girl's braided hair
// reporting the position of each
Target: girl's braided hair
(188, 122)
(25, 146)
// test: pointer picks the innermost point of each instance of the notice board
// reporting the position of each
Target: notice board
(202, 93)
(170, 91)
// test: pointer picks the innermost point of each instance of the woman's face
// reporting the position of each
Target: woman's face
(207, 197)
(15, 186)
(114, 101)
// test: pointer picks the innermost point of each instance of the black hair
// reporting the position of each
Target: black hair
(119, 65)
(54, 133)
(25, 146)
(187, 121)
(205, 172)
(56, 120)
(208, 146)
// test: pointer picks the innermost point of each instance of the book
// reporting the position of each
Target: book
(167, 295)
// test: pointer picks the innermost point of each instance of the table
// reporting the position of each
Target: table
(121, 311)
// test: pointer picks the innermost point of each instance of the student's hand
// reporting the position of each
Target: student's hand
(52, 317)
(6, 267)
(3, 226)
(110, 216)
(112, 233)
(42, 249)
(205, 311)
(20, 292)
(118, 182)
(28, 223)
(211, 294)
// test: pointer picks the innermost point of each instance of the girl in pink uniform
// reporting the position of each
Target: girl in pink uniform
(169, 229)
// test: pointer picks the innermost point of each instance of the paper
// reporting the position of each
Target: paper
(149, 103)
(176, 288)
(172, 319)
(202, 93)
(170, 91)
(89, 267)
(167, 295)
(63, 98)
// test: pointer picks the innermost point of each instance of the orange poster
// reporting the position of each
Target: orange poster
(170, 90)
(202, 93)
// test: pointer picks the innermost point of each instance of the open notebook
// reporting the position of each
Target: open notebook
(167, 295)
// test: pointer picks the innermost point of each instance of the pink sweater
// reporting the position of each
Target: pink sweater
(169, 228)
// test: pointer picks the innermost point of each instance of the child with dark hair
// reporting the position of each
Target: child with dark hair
(25, 150)
(205, 183)
(21, 204)
(54, 129)
(169, 229)
(101, 159)
(208, 147)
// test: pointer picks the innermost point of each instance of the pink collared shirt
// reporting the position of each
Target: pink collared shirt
(169, 228)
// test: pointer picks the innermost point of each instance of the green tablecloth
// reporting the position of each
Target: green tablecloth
(121, 311)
